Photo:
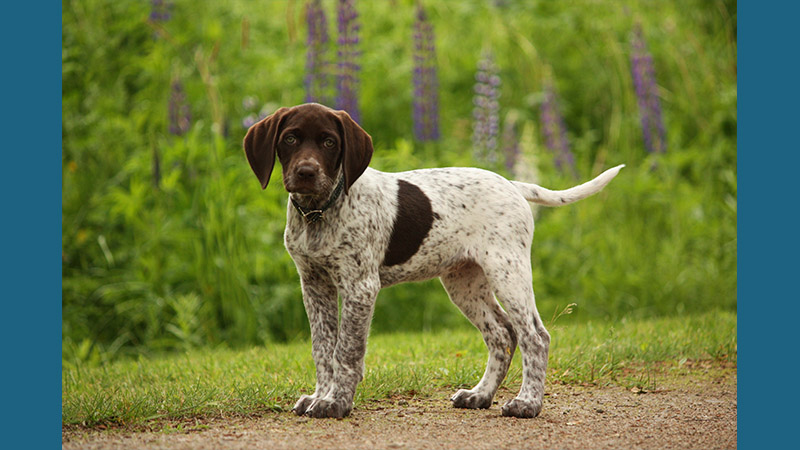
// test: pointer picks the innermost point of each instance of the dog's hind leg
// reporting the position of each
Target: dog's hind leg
(469, 290)
(510, 279)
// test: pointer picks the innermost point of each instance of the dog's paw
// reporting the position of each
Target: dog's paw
(303, 404)
(524, 409)
(464, 398)
(326, 407)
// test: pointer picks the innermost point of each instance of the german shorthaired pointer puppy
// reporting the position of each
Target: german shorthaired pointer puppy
(352, 230)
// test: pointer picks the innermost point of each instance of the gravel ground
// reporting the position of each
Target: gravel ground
(690, 411)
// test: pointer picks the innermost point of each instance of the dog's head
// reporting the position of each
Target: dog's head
(315, 144)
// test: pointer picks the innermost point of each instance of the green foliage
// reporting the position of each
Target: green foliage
(168, 242)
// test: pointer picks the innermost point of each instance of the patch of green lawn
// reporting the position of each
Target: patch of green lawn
(247, 382)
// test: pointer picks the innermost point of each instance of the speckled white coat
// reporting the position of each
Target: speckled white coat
(478, 244)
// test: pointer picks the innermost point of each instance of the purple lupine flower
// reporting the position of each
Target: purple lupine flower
(249, 104)
(317, 76)
(347, 54)
(644, 80)
(555, 130)
(180, 118)
(485, 114)
(160, 11)
(249, 121)
(426, 80)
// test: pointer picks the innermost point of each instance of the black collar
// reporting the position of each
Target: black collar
(313, 215)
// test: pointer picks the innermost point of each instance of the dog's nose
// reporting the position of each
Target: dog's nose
(306, 171)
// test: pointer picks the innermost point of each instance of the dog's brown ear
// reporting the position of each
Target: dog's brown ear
(260, 145)
(356, 149)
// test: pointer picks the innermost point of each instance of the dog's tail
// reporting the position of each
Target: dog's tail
(537, 194)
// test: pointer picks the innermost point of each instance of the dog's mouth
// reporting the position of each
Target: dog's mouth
(302, 191)
(308, 193)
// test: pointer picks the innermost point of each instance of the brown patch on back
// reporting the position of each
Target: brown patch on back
(411, 225)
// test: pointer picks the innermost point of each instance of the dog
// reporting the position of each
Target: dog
(352, 230)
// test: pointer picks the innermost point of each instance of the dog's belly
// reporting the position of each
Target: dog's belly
(436, 257)
(409, 272)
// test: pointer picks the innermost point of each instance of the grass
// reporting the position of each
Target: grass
(221, 382)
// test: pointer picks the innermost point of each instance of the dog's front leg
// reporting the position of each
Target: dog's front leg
(358, 302)
(321, 302)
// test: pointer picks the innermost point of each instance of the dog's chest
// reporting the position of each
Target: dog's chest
(311, 243)
(351, 244)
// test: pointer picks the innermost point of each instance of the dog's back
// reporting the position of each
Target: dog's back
(461, 214)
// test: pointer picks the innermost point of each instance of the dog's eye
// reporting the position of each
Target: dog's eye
(329, 143)
(291, 140)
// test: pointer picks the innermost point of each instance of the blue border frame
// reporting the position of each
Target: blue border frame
(767, 150)
(767, 243)
(31, 187)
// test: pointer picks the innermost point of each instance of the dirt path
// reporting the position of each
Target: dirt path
(696, 410)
